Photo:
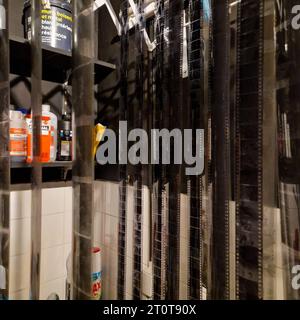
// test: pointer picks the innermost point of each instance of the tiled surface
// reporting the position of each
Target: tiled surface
(53, 230)
(57, 286)
(19, 273)
(56, 242)
(20, 236)
(57, 239)
(52, 264)
(106, 234)
(53, 201)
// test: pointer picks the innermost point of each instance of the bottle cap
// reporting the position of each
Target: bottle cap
(46, 107)
(15, 115)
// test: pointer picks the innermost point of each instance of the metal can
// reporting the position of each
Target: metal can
(96, 274)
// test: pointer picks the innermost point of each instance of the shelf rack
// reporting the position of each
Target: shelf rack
(56, 63)
(51, 172)
(56, 68)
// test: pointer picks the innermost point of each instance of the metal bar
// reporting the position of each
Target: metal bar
(4, 154)
(36, 103)
(271, 215)
(83, 165)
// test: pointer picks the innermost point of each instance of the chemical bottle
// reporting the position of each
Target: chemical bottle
(69, 277)
(53, 147)
(18, 136)
(45, 138)
(96, 274)
(2, 16)
(64, 150)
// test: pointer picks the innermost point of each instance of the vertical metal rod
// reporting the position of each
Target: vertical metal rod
(83, 166)
(4, 154)
(36, 102)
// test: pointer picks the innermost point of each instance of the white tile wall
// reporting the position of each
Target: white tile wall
(53, 230)
(56, 242)
(106, 234)
(57, 239)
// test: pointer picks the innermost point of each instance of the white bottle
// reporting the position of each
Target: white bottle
(18, 136)
(96, 274)
(53, 148)
(2, 16)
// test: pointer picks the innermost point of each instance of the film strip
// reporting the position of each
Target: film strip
(249, 126)
(173, 116)
(196, 120)
(139, 104)
(221, 149)
(123, 168)
(288, 64)
(160, 100)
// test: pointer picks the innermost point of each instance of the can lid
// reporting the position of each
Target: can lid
(64, 4)
(96, 250)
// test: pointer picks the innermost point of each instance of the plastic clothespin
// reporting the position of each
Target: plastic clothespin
(98, 135)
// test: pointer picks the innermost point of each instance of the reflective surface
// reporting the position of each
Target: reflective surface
(83, 168)
(36, 105)
(4, 157)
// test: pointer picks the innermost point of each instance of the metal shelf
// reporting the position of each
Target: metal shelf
(56, 164)
(57, 171)
(56, 63)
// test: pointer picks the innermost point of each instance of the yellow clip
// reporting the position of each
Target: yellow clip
(98, 134)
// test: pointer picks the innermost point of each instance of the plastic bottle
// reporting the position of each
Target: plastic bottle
(96, 274)
(2, 16)
(64, 152)
(69, 277)
(45, 139)
(53, 147)
(18, 136)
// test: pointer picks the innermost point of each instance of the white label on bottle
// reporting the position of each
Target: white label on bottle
(65, 148)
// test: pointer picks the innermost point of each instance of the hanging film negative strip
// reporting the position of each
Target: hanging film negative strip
(160, 104)
(249, 116)
(138, 123)
(221, 149)
(196, 71)
(173, 120)
(123, 167)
